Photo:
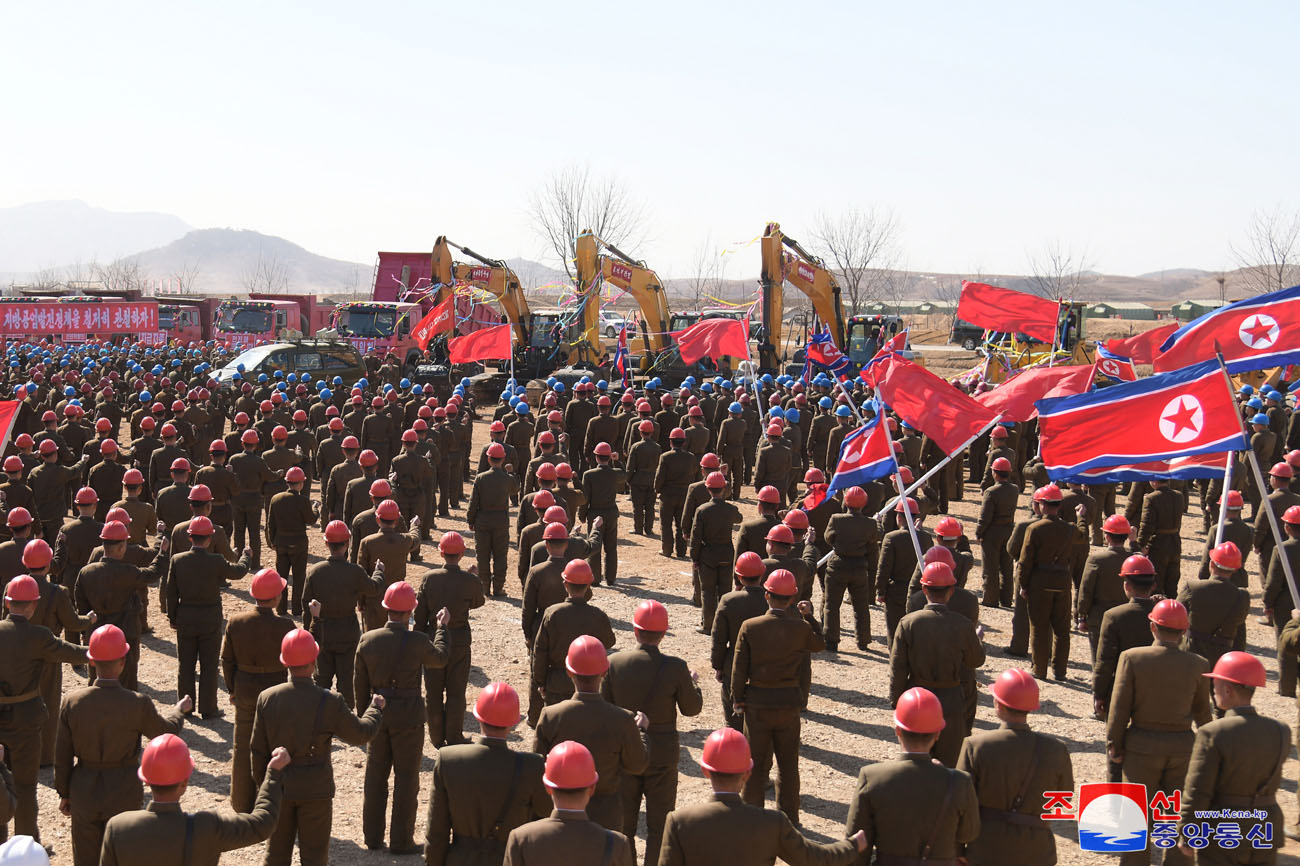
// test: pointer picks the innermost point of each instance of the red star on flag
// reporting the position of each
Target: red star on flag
(1258, 331)
(1182, 417)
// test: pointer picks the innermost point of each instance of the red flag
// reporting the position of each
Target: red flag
(1015, 397)
(1142, 348)
(1001, 309)
(930, 404)
(486, 344)
(713, 338)
(8, 415)
(441, 318)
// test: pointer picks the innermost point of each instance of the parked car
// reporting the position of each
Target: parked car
(611, 323)
(968, 336)
(321, 359)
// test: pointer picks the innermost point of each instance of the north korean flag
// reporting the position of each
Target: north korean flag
(1184, 412)
(1114, 367)
(821, 349)
(1259, 332)
(1196, 466)
(866, 455)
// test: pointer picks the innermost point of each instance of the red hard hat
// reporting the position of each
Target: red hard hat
(555, 532)
(49, 416)
(912, 507)
(48, 446)
(496, 427)
(200, 526)
(451, 544)
(1116, 524)
(380, 489)
(103, 425)
(133, 478)
(22, 588)
(336, 424)
(554, 513)
(999, 432)
(200, 493)
(295, 475)
(178, 406)
(13, 463)
(113, 531)
(603, 403)
(650, 616)
(19, 517)
(358, 400)
(86, 496)
(337, 532)
(241, 418)
(1169, 613)
(1017, 689)
(855, 497)
(1239, 667)
(1048, 493)
(1137, 564)
(646, 427)
(546, 472)
(267, 583)
(569, 766)
(586, 657)
(715, 481)
(726, 751)
(350, 443)
(543, 499)
(602, 449)
(710, 461)
(564, 470)
(419, 425)
(180, 464)
(218, 446)
(948, 527)
(814, 476)
(249, 437)
(496, 451)
(298, 649)
(1282, 470)
(749, 564)
(1291, 515)
(377, 403)
(770, 495)
(300, 415)
(410, 436)
(796, 519)
(453, 406)
(781, 582)
(388, 510)
(578, 571)
(780, 533)
(120, 515)
(695, 412)
(107, 644)
(1234, 499)
(938, 574)
(919, 711)
(369, 458)
(165, 761)
(939, 553)
(168, 431)
(399, 597)
(279, 434)
(774, 429)
(555, 416)
(497, 706)
(1001, 464)
(1228, 555)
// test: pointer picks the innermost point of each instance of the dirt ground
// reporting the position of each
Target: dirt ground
(848, 722)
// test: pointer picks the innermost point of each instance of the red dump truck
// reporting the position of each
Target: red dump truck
(262, 318)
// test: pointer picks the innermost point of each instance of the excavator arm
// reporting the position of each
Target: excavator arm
(619, 269)
(808, 274)
(492, 275)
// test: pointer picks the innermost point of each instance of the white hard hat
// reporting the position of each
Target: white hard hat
(23, 851)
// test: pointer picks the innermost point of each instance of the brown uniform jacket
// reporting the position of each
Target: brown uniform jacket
(773, 466)
(221, 481)
(144, 519)
(753, 534)
(250, 652)
(1101, 588)
(489, 501)
(287, 519)
(711, 531)
(336, 487)
(932, 648)
(726, 830)
(390, 661)
(601, 485)
(1216, 610)
(25, 650)
(608, 731)
(771, 651)
(78, 537)
(561, 624)
(566, 837)
(734, 609)
(452, 588)
(642, 461)
(1123, 627)
(677, 469)
(1159, 692)
(342, 588)
(1162, 514)
(897, 804)
(1046, 555)
(173, 505)
(109, 588)
(658, 685)
(998, 507)
(390, 547)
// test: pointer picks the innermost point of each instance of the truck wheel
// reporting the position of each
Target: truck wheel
(968, 344)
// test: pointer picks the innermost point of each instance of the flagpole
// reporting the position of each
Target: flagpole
(898, 483)
(1261, 486)
(1056, 335)
(1223, 500)
(926, 477)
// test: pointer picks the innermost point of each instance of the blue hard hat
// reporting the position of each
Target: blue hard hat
(689, 381)
(292, 378)
(1260, 418)
(417, 390)
(559, 387)
(1255, 403)
(326, 394)
(707, 387)
(767, 379)
(514, 401)
(305, 378)
(145, 396)
(550, 382)
(522, 407)
(735, 408)
(727, 384)
(363, 383)
(1246, 390)
(825, 402)
(652, 384)
(404, 384)
(792, 415)
(586, 380)
(388, 386)
(460, 389)
(279, 374)
(775, 412)
(520, 390)
(239, 367)
(506, 394)
(843, 411)
(69, 391)
(320, 384)
(337, 380)
(465, 381)
(602, 385)
(15, 364)
(262, 378)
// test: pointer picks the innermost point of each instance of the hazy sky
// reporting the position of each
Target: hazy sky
(1143, 133)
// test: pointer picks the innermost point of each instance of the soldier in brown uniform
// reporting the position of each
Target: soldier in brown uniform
(775, 462)
(1103, 586)
(1216, 607)
(457, 591)
(561, 624)
(1045, 581)
(854, 539)
(1236, 530)
(223, 483)
(1159, 534)
(343, 474)
(163, 834)
(642, 461)
(112, 587)
(194, 608)
(1237, 764)
(1159, 694)
(1276, 599)
(532, 533)
(1262, 442)
(677, 469)
(898, 560)
(768, 687)
(100, 728)
(731, 445)
(390, 662)
(912, 809)
(734, 609)
(49, 483)
(600, 486)
(161, 460)
(336, 590)
(253, 474)
(711, 549)
(250, 661)
(468, 819)
(1011, 767)
(615, 736)
(646, 680)
(144, 519)
(282, 716)
(287, 519)
(384, 553)
(1280, 499)
(488, 517)
(412, 476)
(997, 516)
(934, 648)
(172, 502)
(568, 836)
(106, 478)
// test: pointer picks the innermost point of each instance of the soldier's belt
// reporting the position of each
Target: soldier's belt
(103, 766)
(1209, 637)
(399, 693)
(937, 684)
(473, 843)
(988, 813)
(260, 669)
(777, 696)
(1168, 531)
(904, 860)
(6, 700)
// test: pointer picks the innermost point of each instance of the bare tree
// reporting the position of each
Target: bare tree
(1060, 272)
(1270, 255)
(860, 245)
(947, 291)
(892, 286)
(706, 274)
(267, 274)
(45, 278)
(122, 275)
(573, 201)
(185, 279)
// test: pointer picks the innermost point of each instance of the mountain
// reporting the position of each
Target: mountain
(57, 233)
(224, 261)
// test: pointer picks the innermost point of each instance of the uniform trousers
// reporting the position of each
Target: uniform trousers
(1049, 630)
(444, 489)
(773, 731)
(1165, 555)
(1019, 622)
(247, 517)
(658, 785)
(52, 694)
(643, 507)
(604, 559)
(397, 751)
(715, 575)
(243, 790)
(412, 505)
(95, 796)
(734, 460)
(444, 696)
(1164, 770)
(847, 575)
(291, 562)
(456, 481)
(670, 524)
(306, 821)
(491, 544)
(224, 516)
(998, 568)
(334, 666)
(20, 734)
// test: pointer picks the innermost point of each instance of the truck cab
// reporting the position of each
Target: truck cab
(380, 327)
(245, 323)
(179, 322)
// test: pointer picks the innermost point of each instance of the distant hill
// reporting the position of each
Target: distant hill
(221, 260)
(58, 233)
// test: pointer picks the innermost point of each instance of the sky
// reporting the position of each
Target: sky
(1138, 136)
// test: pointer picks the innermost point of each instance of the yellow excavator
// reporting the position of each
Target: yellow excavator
(785, 260)
(491, 275)
(599, 262)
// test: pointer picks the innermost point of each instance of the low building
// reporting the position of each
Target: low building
(1122, 310)
(1194, 308)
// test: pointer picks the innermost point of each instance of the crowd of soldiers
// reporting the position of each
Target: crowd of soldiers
(132, 468)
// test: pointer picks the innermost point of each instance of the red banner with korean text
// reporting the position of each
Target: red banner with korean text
(63, 319)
